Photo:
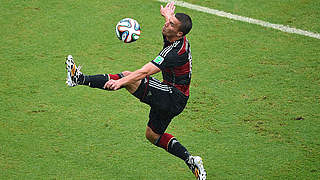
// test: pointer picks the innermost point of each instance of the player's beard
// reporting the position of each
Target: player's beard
(167, 32)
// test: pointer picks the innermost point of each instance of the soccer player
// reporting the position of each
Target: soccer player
(168, 98)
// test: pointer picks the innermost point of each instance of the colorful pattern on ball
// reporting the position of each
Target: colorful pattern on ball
(128, 30)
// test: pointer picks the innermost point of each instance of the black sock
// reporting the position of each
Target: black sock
(173, 146)
(94, 81)
(177, 149)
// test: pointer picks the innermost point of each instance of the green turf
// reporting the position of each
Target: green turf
(302, 14)
(253, 113)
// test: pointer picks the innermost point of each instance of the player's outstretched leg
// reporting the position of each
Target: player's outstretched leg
(196, 165)
(76, 77)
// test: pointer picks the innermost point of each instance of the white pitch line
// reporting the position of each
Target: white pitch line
(246, 19)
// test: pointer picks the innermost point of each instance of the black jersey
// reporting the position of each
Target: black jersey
(175, 62)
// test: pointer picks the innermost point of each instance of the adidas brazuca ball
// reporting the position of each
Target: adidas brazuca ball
(128, 30)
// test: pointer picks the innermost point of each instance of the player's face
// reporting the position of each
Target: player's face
(171, 28)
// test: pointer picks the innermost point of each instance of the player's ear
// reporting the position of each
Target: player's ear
(180, 34)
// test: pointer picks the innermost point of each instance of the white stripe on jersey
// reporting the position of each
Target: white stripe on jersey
(167, 49)
(158, 85)
(155, 80)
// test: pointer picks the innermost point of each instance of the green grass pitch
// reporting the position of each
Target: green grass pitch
(253, 112)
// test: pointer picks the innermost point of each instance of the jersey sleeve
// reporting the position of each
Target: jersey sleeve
(165, 59)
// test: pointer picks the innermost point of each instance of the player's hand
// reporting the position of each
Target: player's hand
(168, 11)
(112, 85)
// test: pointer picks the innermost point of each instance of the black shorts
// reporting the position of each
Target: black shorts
(165, 101)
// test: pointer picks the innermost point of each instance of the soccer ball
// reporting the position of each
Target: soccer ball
(128, 30)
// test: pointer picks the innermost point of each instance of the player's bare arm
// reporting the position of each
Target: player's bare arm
(133, 77)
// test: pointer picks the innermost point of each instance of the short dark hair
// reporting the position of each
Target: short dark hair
(186, 22)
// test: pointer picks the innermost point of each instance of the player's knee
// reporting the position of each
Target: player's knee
(151, 136)
(148, 138)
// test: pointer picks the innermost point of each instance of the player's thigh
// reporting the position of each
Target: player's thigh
(159, 120)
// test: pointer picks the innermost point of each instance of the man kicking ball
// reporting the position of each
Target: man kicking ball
(166, 99)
